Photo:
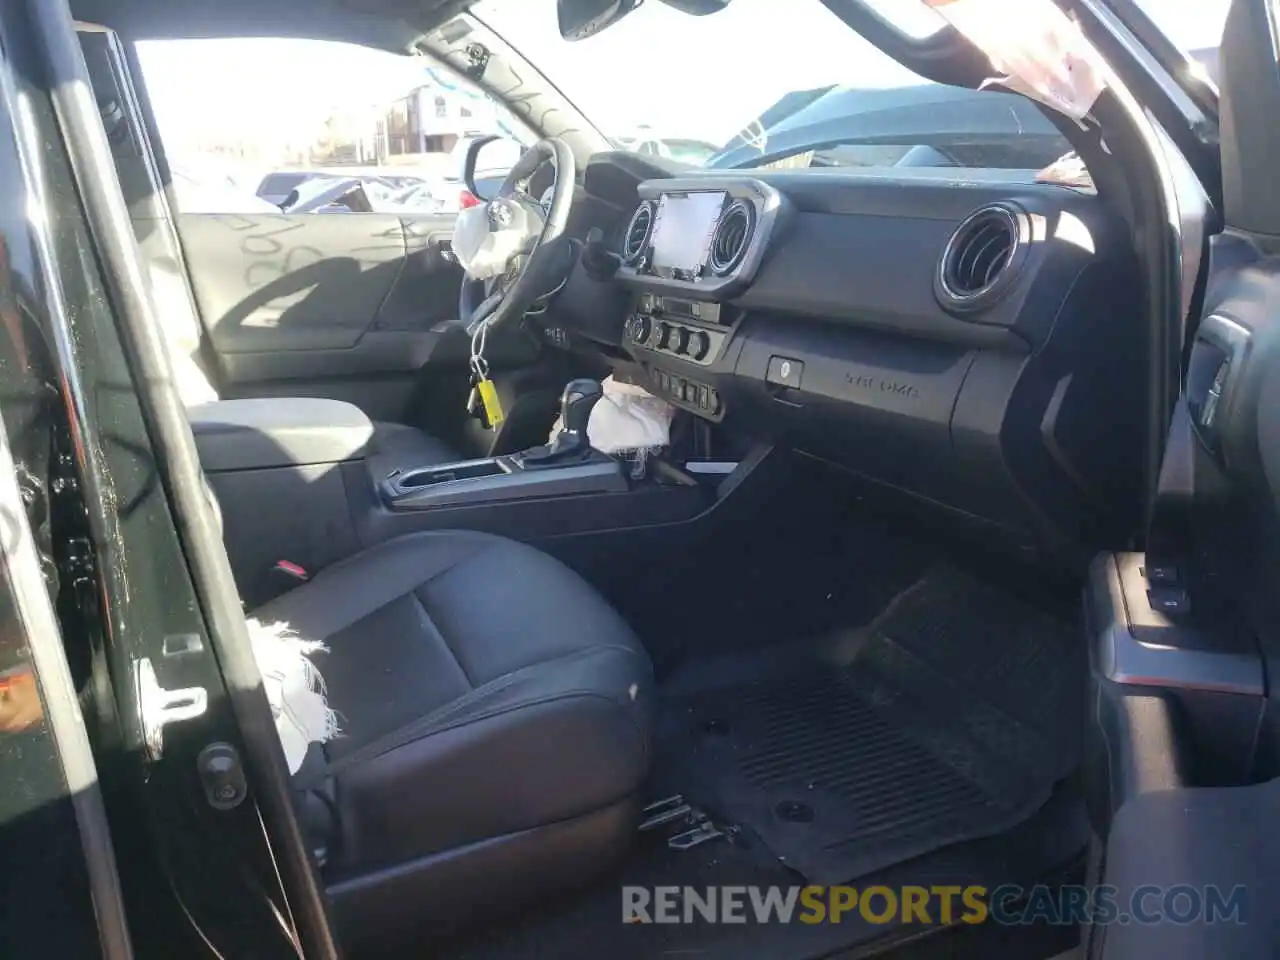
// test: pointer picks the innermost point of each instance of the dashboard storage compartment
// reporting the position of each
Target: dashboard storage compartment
(878, 404)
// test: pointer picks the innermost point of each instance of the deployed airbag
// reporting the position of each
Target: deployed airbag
(627, 419)
(488, 237)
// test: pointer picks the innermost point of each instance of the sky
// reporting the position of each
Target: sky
(701, 77)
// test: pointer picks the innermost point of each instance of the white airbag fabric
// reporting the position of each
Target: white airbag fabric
(1035, 47)
(294, 689)
(483, 248)
(628, 418)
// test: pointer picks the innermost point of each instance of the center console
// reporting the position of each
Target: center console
(691, 245)
(564, 467)
(595, 512)
(300, 486)
(671, 328)
(678, 328)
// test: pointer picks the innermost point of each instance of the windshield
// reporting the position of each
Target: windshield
(749, 86)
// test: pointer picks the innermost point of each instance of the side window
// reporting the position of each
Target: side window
(309, 126)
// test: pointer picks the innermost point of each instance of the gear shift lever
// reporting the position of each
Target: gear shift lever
(570, 443)
(575, 406)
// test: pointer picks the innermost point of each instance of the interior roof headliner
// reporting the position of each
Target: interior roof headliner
(387, 24)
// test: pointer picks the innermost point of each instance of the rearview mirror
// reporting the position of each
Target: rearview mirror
(580, 19)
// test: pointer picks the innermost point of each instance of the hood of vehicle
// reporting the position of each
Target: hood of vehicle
(928, 113)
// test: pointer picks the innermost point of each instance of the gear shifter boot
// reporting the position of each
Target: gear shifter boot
(571, 443)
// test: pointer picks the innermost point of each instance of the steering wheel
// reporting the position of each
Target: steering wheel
(544, 257)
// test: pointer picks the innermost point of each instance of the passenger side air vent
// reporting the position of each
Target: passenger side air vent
(636, 239)
(732, 237)
(981, 259)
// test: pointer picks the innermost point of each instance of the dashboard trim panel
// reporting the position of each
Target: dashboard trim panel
(929, 405)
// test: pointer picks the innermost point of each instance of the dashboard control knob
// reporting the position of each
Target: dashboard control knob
(666, 336)
(680, 341)
(700, 345)
(641, 327)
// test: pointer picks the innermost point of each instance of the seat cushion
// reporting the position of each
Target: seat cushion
(482, 687)
(410, 447)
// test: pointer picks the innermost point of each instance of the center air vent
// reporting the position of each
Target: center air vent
(981, 259)
(636, 238)
(732, 236)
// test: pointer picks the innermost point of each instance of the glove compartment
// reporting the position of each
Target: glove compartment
(878, 404)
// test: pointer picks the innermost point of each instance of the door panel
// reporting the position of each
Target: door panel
(290, 284)
(345, 306)
(1188, 735)
(341, 305)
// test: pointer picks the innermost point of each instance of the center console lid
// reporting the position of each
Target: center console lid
(278, 432)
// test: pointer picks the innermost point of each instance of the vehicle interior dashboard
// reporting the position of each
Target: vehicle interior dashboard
(971, 343)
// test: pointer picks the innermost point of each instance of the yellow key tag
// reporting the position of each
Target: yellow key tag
(489, 400)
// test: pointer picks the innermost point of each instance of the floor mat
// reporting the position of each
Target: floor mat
(949, 718)
(588, 925)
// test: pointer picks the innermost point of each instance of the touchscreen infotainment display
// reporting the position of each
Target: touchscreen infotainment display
(682, 234)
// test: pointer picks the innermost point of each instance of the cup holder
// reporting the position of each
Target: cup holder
(448, 473)
(494, 481)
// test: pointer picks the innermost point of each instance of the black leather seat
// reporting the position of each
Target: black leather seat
(495, 729)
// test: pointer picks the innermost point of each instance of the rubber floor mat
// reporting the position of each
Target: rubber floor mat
(949, 718)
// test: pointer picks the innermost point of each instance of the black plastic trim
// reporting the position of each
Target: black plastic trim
(39, 625)
(1137, 645)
